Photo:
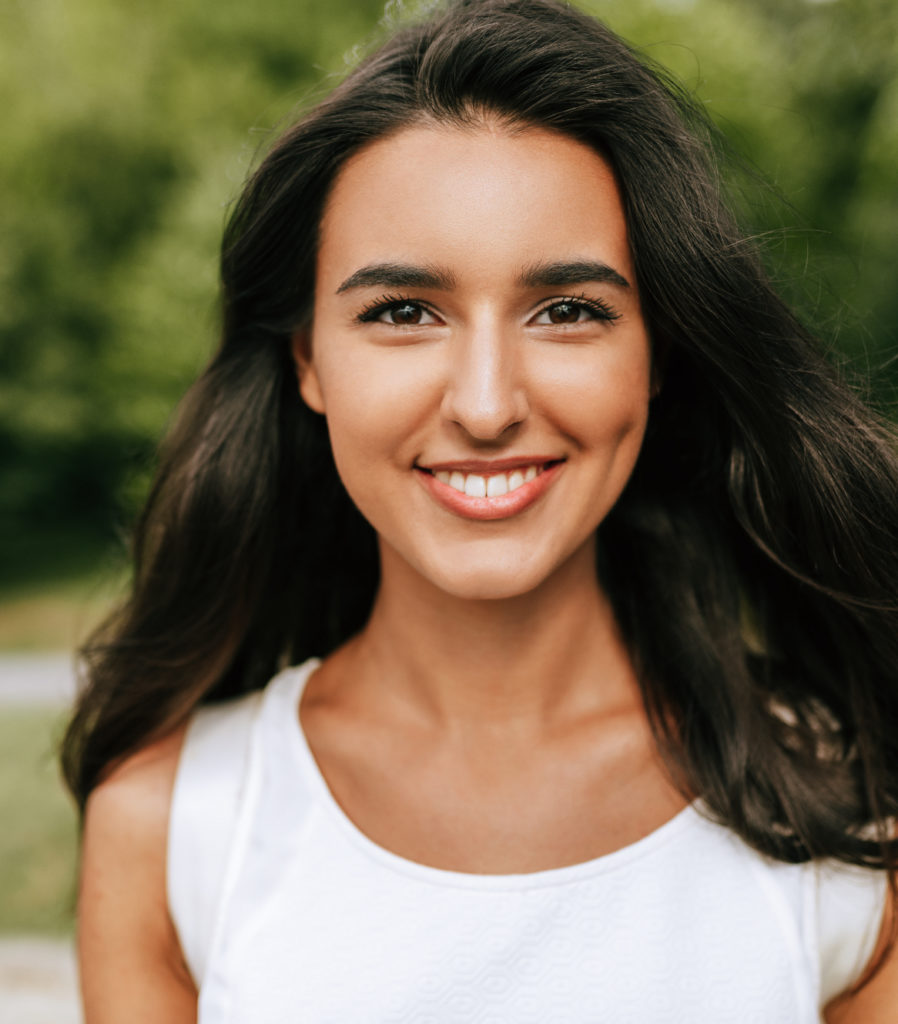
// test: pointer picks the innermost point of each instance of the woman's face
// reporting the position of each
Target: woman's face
(478, 350)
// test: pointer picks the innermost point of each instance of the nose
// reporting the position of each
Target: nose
(485, 393)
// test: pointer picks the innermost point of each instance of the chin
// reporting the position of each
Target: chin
(486, 589)
(484, 582)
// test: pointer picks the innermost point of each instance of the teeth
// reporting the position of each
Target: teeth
(477, 486)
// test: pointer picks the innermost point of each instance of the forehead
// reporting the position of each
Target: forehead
(476, 198)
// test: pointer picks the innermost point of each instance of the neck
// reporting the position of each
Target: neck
(528, 660)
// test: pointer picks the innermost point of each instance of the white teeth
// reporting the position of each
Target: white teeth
(475, 486)
(494, 486)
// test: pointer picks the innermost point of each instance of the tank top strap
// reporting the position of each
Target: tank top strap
(212, 805)
(205, 799)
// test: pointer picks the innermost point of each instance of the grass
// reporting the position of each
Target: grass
(38, 838)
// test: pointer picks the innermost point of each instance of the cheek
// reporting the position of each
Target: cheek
(605, 413)
(603, 400)
(373, 407)
(623, 407)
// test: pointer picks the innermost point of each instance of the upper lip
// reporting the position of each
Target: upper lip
(488, 466)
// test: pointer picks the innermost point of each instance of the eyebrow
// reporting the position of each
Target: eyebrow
(541, 275)
(398, 275)
(552, 275)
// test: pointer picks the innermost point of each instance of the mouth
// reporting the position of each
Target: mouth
(492, 484)
(489, 490)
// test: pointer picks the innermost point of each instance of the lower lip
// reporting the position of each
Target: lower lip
(501, 507)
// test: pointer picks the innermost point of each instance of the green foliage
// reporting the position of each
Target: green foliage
(807, 92)
(38, 838)
(130, 127)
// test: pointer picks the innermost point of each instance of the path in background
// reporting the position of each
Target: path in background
(38, 982)
(37, 679)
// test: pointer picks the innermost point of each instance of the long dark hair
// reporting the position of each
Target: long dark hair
(752, 559)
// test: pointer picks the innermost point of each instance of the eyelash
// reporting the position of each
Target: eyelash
(374, 309)
(600, 309)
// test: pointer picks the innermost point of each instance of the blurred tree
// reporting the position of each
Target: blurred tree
(806, 91)
(130, 127)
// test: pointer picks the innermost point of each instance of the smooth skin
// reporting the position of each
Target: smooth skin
(491, 658)
(475, 300)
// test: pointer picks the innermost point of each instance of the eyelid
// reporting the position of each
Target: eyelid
(601, 310)
(372, 310)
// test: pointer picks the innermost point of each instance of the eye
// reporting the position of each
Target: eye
(574, 311)
(398, 312)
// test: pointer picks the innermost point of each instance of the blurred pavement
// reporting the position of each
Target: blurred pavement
(38, 982)
(38, 978)
(37, 679)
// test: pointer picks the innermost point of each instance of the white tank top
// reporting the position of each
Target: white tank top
(286, 912)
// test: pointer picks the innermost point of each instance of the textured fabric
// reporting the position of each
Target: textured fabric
(287, 912)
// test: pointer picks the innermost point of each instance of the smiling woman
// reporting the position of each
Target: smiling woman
(518, 346)
(513, 633)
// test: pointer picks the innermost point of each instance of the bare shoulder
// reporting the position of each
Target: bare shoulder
(137, 792)
(131, 963)
(876, 1002)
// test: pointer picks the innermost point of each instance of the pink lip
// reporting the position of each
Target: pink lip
(502, 507)
(487, 467)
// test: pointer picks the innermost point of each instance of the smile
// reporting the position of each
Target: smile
(477, 486)
(489, 492)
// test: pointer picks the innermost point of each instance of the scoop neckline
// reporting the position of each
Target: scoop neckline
(606, 863)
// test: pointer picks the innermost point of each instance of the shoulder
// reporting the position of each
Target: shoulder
(127, 945)
(126, 820)
(131, 805)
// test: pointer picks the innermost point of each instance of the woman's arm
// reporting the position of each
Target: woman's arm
(877, 1001)
(130, 959)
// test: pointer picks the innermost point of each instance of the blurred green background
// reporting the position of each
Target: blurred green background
(128, 128)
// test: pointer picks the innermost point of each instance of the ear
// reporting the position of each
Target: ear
(307, 375)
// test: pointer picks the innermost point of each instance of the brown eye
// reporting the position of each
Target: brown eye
(564, 313)
(405, 314)
(398, 313)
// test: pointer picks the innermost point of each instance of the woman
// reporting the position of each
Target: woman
(509, 428)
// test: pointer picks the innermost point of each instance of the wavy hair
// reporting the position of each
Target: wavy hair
(752, 559)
